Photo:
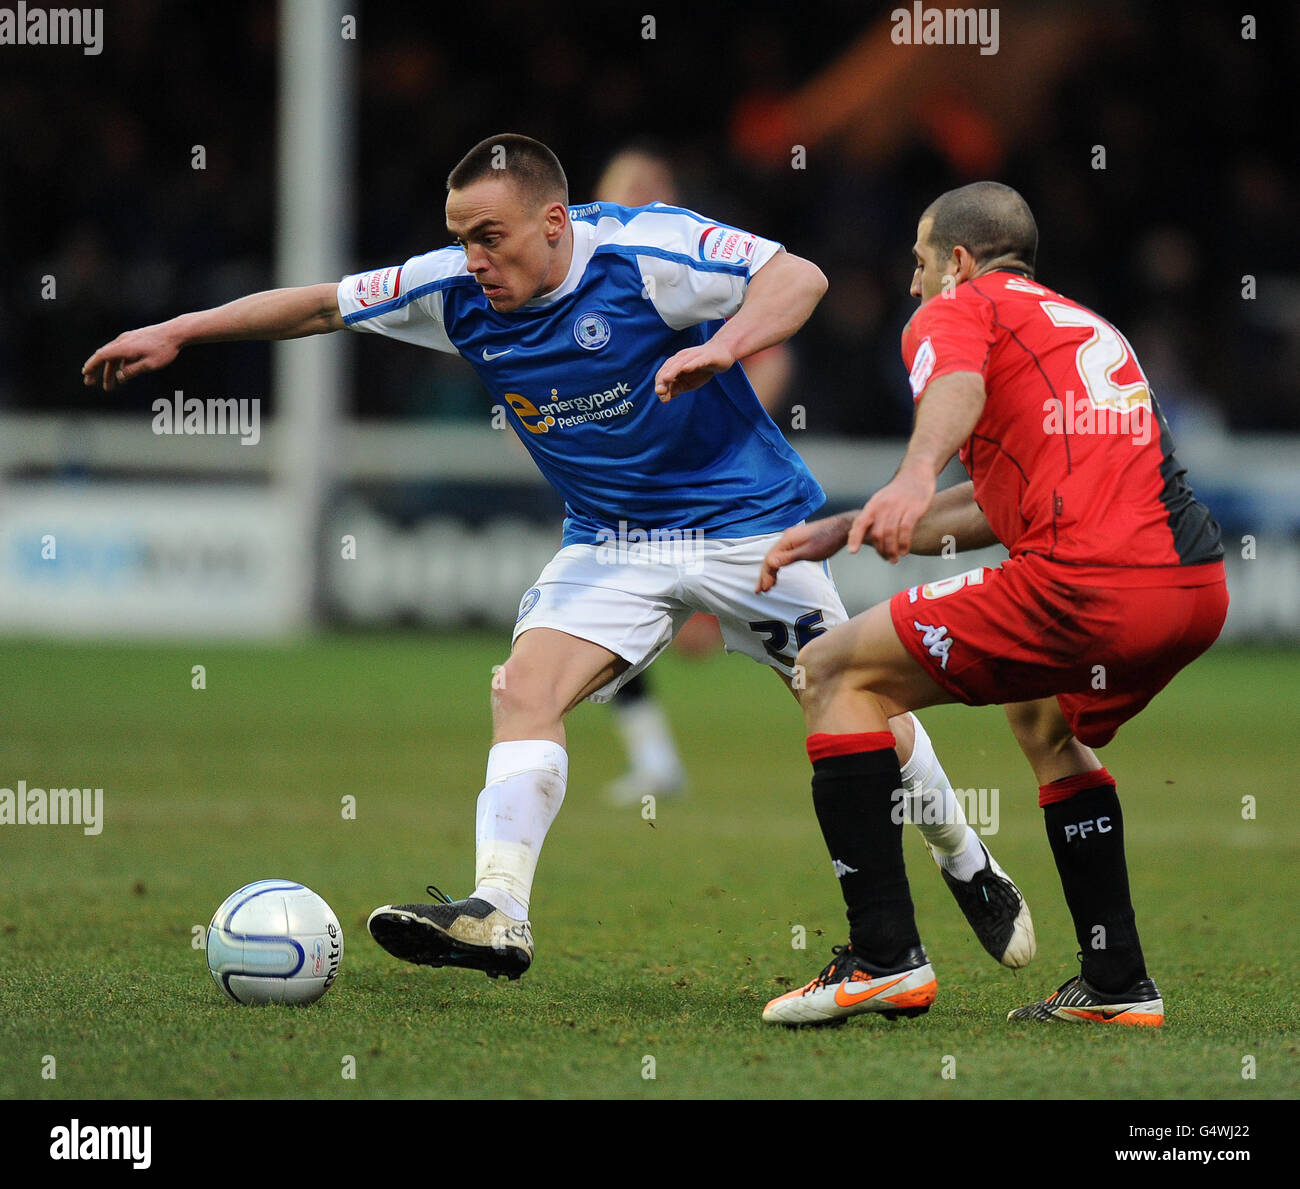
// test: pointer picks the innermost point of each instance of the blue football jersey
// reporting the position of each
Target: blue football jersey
(576, 366)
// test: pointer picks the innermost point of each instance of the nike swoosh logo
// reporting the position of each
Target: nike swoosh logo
(846, 995)
(488, 356)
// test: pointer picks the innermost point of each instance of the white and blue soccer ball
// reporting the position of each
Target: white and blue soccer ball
(274, 941)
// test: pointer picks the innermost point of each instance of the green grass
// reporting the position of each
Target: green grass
(658, 939)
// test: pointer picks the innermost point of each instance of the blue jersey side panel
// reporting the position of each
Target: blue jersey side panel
(578, 381)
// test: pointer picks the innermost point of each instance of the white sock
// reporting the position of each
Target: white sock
(937, 813)
(524, 791)
(648, 738)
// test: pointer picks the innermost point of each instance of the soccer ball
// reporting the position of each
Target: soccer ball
(274, 941)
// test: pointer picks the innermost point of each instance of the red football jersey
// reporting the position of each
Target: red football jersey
(1071, 457)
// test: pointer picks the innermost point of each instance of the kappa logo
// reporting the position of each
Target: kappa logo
(842, 869)
(936, 639)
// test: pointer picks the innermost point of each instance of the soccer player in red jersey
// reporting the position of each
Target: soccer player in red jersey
(1115, 581)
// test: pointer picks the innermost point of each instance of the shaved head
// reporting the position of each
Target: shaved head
(990, 220)
(528, 163)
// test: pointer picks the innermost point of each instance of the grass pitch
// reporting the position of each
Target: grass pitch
(659, 940)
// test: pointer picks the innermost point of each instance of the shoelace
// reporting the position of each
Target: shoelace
(1073, 981)
(438, 894)
(842, 955)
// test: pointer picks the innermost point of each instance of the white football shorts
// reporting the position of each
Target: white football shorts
(632, 597)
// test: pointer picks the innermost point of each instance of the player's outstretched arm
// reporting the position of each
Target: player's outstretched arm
(953, 518)
(273, 314)
(945, 417)
(815, 541)
(778, 300)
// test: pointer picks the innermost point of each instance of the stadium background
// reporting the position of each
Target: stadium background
(1197, 195)
(165, 544)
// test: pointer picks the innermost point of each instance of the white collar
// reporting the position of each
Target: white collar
(584, 244)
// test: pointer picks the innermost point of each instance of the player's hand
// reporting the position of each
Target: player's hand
(692, 368)
(887, 520)
(804, 542)
(129, 355)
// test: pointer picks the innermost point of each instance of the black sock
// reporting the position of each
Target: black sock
(635, 690)
(855, 796)
(1086, 833)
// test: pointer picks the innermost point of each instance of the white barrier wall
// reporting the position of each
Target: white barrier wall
(440, 572)
(144, 560)
(219, 555)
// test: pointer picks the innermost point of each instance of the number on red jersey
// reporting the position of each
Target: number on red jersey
(1100, 357)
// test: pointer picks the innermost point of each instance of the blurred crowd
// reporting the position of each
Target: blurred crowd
(1201, 178)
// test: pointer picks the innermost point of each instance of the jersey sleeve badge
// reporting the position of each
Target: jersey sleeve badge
(727, 245)
(375, 288)
(922, 367)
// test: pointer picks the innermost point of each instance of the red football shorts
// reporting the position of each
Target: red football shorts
(1026, 630)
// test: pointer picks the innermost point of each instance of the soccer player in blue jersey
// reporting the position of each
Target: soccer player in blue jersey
(611, 334)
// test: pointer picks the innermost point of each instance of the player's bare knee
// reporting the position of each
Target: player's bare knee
(520, 691)
(1039, 728)
(817, 666)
